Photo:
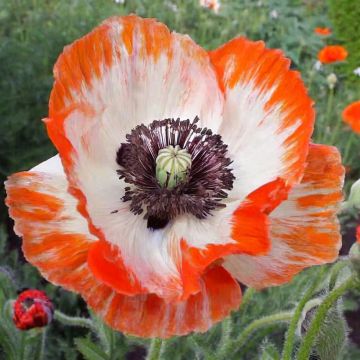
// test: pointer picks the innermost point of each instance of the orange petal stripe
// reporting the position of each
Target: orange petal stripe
(106, 264)
(55, 236)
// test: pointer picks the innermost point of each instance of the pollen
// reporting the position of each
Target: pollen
(172, 166)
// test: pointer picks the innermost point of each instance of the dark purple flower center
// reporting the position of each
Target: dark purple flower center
(198, 191)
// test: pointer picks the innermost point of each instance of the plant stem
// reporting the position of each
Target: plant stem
(247, 297)
(290, 335)
(225, 336)
(328, 112)
(73, 320)
(335, 271)
(234, 345)
(306, 346)
(348, 148)
(154, 350)
(22, 345)
(43, 343)
(335, 132)
(311, 77)
(264, 321)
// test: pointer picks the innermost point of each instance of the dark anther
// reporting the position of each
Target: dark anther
(156, 223)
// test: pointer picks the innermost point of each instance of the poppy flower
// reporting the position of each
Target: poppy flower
(322, 31)
(358, 234)
(32, 309)
(332, 53)
(213, 5)
(351, 116)
(180, 172)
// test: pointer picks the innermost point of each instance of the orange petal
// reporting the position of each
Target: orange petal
(304, 229)
(55, 236)
(332, 53)
(249, 235)
(351, 116)
(268, 116)
(151, 316)
(107, 266)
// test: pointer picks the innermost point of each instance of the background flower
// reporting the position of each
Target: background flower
(322, 31)
(213, 5)
(332, 53)
(357, 71)
(351, 116)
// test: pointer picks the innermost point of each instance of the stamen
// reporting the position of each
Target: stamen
(172, 166)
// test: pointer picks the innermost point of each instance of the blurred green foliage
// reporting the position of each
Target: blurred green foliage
(345, 15)
(33, 34)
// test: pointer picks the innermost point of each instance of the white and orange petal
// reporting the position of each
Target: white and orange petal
(304, 230)
(268, 117)
(55, 236)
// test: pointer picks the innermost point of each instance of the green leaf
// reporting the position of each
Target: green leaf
(89, 350)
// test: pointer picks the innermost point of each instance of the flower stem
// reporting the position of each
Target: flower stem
(43, 344)
(335, 271)
(247, 297)
(306, 346)
(154, 350)
(328, 112)
(264, 321)
(348, 147)
(290, 335)
(234, 345)
(225, 336)
(335, 132)
(74, 320)
(22, 344)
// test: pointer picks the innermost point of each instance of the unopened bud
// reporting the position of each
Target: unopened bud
(32, 309)
(354, 197)
(354, 253)
(331, 80)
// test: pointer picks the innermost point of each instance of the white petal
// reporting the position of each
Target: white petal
(51, 166)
